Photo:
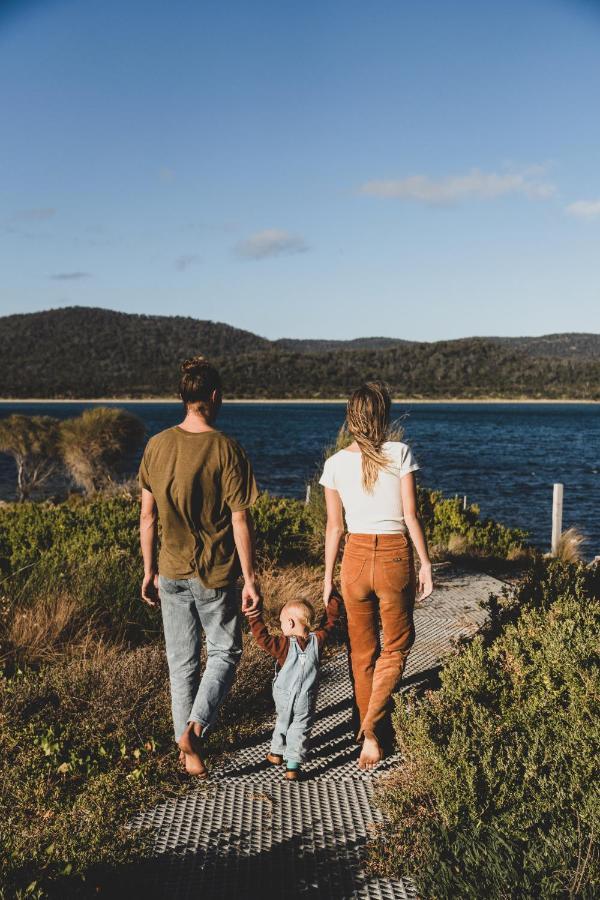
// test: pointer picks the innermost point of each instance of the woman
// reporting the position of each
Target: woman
(373, 480)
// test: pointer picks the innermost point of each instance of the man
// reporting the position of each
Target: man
(199, 483)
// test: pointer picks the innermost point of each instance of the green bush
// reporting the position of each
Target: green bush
(66, 532)
(445, 518)
(284, 530)
(498, 795)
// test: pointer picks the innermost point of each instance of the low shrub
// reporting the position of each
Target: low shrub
(450, 527)
(498, 796)
(68, 532)
(284, 530)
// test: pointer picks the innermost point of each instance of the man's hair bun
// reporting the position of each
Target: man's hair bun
(198, 381)
(194, 364)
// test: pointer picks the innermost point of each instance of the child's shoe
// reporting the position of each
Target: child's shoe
(292, 774)
(274, 758)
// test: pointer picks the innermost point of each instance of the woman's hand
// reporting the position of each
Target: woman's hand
(327, 592)
(425, 581)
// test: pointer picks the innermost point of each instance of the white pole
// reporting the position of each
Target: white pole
(557, 512)
(465, 501)
(307, 501)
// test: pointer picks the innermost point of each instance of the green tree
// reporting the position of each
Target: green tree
(95, 444)
(33, 442)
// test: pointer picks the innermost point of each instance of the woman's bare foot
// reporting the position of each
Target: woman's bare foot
(371, 753)
(188, 744)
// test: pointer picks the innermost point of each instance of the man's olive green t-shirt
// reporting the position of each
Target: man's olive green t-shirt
(197, 479)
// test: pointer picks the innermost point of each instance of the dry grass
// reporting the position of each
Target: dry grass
(458, 544)
(51, 628)
(570, 546)
(280, 585)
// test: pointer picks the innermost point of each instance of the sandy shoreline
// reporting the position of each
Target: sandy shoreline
(457, 400)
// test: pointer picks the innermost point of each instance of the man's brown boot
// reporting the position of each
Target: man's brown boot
(292, 774)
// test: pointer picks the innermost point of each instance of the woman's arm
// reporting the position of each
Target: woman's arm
(415, 529)
(334, 533)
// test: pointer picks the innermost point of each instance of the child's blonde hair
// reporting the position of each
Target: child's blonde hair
(305, 609)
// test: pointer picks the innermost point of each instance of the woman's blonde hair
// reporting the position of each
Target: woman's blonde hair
(368, 421)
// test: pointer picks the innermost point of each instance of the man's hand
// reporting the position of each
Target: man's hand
(150, 588)
(425, 581)
(250, 597)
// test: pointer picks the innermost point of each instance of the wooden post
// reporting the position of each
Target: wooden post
(307, 501)
(557, 512)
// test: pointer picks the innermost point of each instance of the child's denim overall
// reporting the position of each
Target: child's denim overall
(295, 693)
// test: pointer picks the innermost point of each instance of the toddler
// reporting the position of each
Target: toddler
(296, 652)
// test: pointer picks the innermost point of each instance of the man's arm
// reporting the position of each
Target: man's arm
(148, 536)
(243, 535)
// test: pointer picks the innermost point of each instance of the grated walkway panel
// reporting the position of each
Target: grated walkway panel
(248, 833)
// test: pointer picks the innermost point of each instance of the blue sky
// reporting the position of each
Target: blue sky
(422, 170)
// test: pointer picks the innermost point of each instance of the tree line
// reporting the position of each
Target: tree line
(84, 353)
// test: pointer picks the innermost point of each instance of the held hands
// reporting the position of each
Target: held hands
(253, 615)
(150, 589)
(251, 601)
(425, 581)
(328, 591)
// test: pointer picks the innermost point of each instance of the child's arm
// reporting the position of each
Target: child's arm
(275, 645)
(331, 615)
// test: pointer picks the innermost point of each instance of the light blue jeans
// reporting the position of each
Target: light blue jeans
(188, 608)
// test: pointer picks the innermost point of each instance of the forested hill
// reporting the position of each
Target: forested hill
(82, 353)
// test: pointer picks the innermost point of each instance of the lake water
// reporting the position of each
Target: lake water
(505, 457)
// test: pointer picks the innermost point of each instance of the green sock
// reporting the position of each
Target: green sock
(292, 765)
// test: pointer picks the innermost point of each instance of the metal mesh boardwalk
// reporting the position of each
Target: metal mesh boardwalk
(248, 833)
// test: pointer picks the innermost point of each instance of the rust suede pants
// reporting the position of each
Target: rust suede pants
(378, 585)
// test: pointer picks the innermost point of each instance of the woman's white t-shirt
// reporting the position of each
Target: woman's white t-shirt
(380, 512)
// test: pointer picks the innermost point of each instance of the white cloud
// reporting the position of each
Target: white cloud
(271, 242)
(33, 215)
(473, 184)
(184, 262)
(70, 276)
(584, 209)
